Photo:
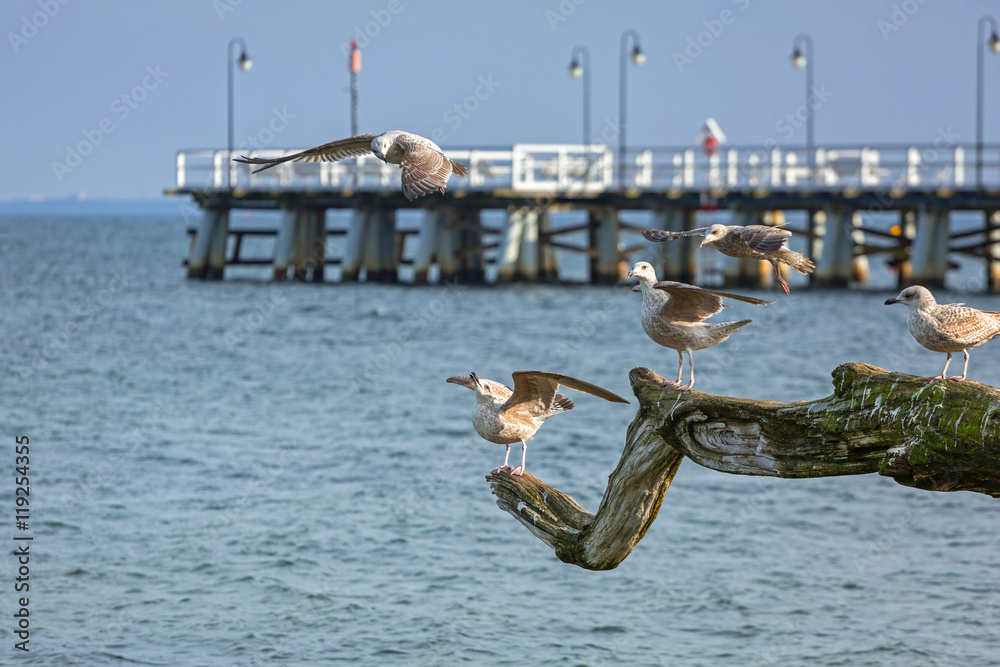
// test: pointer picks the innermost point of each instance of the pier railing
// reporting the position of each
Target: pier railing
(567, 168)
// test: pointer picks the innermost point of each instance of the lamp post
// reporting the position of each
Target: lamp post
(580, 66)
(355, 66)
(804, 58)
(245, 63)
(994, 45)
(638, 58)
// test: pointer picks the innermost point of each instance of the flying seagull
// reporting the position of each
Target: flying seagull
(505, 417)
(750, 242)
(673, 315)
(952, 327)
(425, 166)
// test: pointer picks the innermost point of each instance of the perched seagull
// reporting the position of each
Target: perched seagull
(750, 242)
(952, 327)
(505, 417)
(425, 166)
(673, 315)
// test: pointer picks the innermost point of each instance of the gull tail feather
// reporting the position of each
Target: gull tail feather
(459, 168)
(796, 260)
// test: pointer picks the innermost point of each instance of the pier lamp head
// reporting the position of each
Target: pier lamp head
(995, 43)
(244, 62)
(638, 55)
(575, 69)
(798, 58)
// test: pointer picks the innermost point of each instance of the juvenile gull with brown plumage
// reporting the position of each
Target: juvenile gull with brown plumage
(673, 315)
(952, 327)
(425, 166)
(749, 242)
(505, 417)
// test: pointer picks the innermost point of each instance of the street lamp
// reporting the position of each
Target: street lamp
(994, 45)
(580, 66)
(245, 63)
(804, 58)
(638, 58)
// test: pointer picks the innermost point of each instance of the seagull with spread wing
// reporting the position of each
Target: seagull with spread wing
(674, 314)
(425, 166)
(505, 417)
(749, 242)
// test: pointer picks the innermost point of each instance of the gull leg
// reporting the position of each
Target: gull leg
(504, 467)
(777, 274)
(935, 378)
(442, 190)
(685, 387)
(965, 368)
(680, 367)
(516, 472)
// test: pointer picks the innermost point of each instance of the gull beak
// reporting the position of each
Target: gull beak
(631, 274)
(703, 243)
(475, 380)
(889, 302)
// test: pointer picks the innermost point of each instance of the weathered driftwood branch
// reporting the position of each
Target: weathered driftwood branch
(941, 437)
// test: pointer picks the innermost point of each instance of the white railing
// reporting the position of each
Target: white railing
(546, 168)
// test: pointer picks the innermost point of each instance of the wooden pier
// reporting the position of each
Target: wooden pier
(836, 188)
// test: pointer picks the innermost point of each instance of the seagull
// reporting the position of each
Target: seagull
(425, 166)
(673, 315)
(952, 327)
(505, 417)
(750, 242)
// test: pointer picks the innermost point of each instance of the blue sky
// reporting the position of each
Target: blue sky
(133, 82)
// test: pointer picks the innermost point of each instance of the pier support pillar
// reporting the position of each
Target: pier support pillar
(284, 243)
(548, 264)
(930, 248)
(207, 257)
(354, 243)
(510, 245)
(301, 254)
(680, 256)
(835, 265)
(380, 247)
(317, 245)
(604, 268)
(993, 250)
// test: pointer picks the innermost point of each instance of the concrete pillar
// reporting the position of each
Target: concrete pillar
(510, 245)
(447, 245)
(470, 246)
(527, 265)
(217, 248)
(835, 265)
(859, 263)
(198, 257)
(604, 269)
(283, 244)
(668, 253)
(380, 246)
(993, 250)
(354, 243)
(548, 264)
(427, 244)
(301, 245)
(930, 247)
(318, 244)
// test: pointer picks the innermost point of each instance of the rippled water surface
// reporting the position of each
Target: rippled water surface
(248, 473)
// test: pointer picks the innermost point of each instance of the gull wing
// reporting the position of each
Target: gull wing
(537, 389)
(331, 152)
(763, 238)
(425, 170)
(688, 303)
(666, 235)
